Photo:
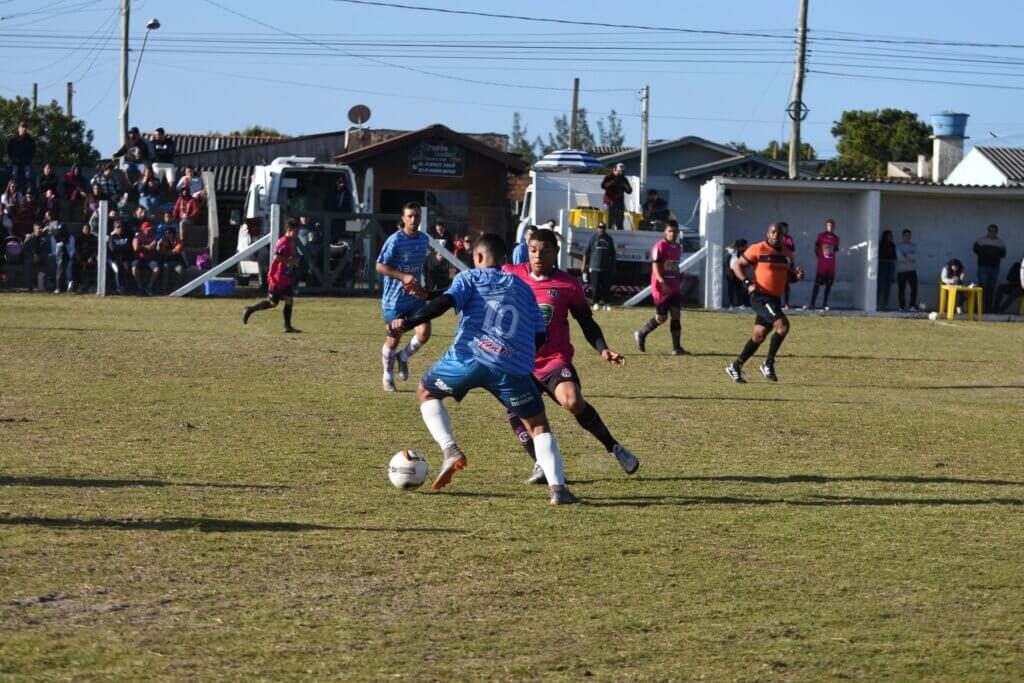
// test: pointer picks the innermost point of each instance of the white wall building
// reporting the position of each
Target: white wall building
(1002, 166)
(945, 221)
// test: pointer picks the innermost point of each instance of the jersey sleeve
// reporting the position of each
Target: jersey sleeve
(656, 253)
(751, 254)
(282, 248)
(577, 298)
(461, 290)
(387, 253)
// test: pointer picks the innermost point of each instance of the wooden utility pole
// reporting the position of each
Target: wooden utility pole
(125, 12)
(35, 95)
(796, 109)
(575, 104)
(645, 112)
(71, 94)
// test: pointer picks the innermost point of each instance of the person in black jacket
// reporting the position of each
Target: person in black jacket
(21, 149)
(1012, 288)
(886, 269)
(616, 186)
(599, 266)
(164, 149)
(990, 250)
(134, 153)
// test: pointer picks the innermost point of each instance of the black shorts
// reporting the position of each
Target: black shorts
(562, 373)
(823, 280)
(767, 308)
(671, 301)
(275, 294)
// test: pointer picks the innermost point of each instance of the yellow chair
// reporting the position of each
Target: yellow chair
(947, 301)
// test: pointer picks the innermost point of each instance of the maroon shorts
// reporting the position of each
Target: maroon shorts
(564, 372)
(673, 300)
(278, 292)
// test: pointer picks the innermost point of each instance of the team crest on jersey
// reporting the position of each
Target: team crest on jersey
(440, 384)
(546, 311)
(553, 293)
(566, 373)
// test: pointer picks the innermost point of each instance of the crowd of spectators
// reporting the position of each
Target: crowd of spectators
(50, 221)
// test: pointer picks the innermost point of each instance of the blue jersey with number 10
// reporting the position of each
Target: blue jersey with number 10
(500, 320)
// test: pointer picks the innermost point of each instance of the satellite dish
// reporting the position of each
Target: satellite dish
(359, 114)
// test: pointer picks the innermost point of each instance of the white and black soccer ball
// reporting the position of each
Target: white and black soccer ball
(408, 470)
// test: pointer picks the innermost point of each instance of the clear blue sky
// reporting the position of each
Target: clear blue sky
(300, 69)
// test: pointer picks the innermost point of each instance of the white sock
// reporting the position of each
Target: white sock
(548, 457)
(387, 356)
(435, 416)
(414, 345)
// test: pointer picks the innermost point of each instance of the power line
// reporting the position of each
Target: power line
(997, 86)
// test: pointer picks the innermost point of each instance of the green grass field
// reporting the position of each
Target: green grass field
(185, 498)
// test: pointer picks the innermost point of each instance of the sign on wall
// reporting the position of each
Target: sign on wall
(436, 157)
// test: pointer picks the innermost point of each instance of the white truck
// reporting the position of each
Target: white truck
(302, 186)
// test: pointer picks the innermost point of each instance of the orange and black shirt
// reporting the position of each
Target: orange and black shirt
(771, 266)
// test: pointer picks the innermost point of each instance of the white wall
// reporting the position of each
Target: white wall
(976, 169)
(946, 227)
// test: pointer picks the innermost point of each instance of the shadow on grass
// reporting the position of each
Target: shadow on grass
(725, 398)
(898, 359)
(815, 501)
(205, 524)
(121, 483)
(72, 329)
(973, 386)
(820, 479)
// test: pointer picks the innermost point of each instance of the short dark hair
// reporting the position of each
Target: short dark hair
(993, 226)
(906, 231)
(782, 224)
(529, 229)
(160, 130)
(672, 223)
(291, 224)
(492, 244)
(652, 191)
(546, 236)
(410, 205)
(830, 220)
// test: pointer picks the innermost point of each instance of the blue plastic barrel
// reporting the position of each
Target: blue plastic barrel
(949, 124)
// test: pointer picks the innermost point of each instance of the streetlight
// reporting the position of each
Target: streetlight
(151, 25)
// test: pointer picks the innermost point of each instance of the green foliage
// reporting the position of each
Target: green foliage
(868, 140)
(60, 139)
(610, 132)
(780, 151)
(518, 142)
(258, 131)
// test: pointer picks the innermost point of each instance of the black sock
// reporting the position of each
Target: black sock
(749, 349)
(649, 327)
(773, 347)
(592, 422)
(828, 290)
(261, 306)
(814, 294)
(676, 328)
(287, 313)
(523, 435)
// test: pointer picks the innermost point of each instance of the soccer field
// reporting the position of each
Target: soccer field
(185, 498)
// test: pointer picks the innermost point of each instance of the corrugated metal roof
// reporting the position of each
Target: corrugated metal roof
(601, 150)
(191, 143)
(230, 179)
(1009, 161)
(865, 180)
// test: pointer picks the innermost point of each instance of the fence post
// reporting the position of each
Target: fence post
(101, 252)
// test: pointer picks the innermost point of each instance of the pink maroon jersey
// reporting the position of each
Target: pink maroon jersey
(825, 248)
(667, 255)
(557, 296)
(279, 275)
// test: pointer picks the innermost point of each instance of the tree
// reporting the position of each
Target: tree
(612, 136)
(258, 131)
(559, 138)
(740, 147)
(518, 143)
(868, 140)
(780, 151)
(60, 139)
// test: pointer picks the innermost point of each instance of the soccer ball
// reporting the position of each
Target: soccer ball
(408, 470)
(933, 316)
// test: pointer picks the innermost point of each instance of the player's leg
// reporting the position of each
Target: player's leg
(781, 327)
(828, 290)
(549, 458)
(286, 312)
(660, 316)
(269, 302)
(154, 273)
(569, 395)
(388, 352)
(445, 378)
(675, 326)
(814, 292)
(421, 335)
(765, 315)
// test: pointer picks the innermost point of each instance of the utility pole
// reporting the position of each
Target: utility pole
(35, 95)
(575, 105)
(125, 12)
(71, 93)
(644, 116)
(797, 111)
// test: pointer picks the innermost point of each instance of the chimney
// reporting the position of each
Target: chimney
(947, 143)
(922, 166)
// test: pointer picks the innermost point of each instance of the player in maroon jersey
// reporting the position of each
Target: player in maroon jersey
(666, 288)
(279, 279)
(559, 294)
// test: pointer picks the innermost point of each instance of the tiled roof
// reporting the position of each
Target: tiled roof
(601, 150)
(864, 180)
(230, 179)
(1009, 161)
(191, 143)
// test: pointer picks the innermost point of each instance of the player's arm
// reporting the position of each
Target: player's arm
(434, 309)
(594, 336)
(739, 270)
(390, 271)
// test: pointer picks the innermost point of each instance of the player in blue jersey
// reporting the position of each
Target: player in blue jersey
(499, 333)
(401, 262)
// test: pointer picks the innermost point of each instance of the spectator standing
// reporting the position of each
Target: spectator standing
(186, 210)
(737, 293)
(21, 149)
(50, 202)
(35, 253)
(826, 247)
(48, 180)
(144, 247)
(789, 243)
(11, 199)
(438, 270)
(164, 149)
(521, 254)
(1012, 288)
(654, 209)
(906, 270)
(134, 153)
(29, 210)
(990, 250)
(886, 269)
(62, 249)
(108, 181)
(341, 197)
(75, 189)
(442, 235)
(616, 186)
(465, 252)
(599, 266)
(194, 184)
(86, 256)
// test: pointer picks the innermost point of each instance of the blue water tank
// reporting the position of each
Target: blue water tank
(949, 124)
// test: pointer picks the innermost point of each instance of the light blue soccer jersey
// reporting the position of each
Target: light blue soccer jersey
(500, 320)
(406, 254)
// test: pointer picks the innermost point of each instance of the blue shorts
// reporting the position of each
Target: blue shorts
(453, 377)
(393, 313)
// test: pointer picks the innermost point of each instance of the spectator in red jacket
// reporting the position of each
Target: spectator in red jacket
(186, 210)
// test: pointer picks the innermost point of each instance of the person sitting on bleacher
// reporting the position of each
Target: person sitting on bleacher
(194, 184)
(186, 211)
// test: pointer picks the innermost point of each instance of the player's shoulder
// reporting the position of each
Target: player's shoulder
(566, 280)
(517, 269)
